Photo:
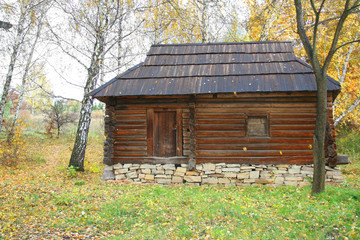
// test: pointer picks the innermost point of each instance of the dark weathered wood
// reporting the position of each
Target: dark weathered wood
(252, 153)
(220, 121)
(193, 136)
(150, 131)
(179, 131)
(254, 146)
(253, 140)
(110, 135)
(220, 134)
(217, 133)
(258, 160)
(342, 159)
(152, 160)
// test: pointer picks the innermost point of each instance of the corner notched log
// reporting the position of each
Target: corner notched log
(109, 132)
(192, 127)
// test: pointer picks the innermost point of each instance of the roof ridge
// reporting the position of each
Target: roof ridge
(219, 63)
(219, 43)
(221, 76)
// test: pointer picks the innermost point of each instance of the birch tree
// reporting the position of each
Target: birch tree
(310, 43)
(190, 21)
(39, 25)
(93, 23)
(27, 14)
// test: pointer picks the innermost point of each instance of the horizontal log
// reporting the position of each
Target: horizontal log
(256, 105)
(167, 97)
(252, 140)
(292, 127)
(129, 138)
(220, 116)
(221, 127)
(303, 133)
(129, 112)
(214, 109)
(152, 160)
(251, 153)
(130, 132)
(186, 115)
(253, 99)
(130, 122)
(258, 160)
(130, 116)
(129, 154)
(135, 105)
(130, 143)
(294, 115)
(220, 134)
(130, 148)
(292, 121)
(220, 121)
(127, 127)
(253, 146)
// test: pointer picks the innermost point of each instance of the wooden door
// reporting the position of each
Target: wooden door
(164, 134)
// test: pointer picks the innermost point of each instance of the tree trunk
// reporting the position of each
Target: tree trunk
(78, 153)
(24, 79)
(58, 131)
(16, 46)
(319, 135)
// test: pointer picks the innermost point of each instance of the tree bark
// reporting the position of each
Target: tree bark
(321, 81)
(16, 47)
(319, 135)
(24, 79)
(78, 153)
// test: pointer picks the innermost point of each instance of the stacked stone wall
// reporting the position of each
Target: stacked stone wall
(218, 174)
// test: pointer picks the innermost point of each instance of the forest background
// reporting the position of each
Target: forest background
(48, 50)
(55, 52)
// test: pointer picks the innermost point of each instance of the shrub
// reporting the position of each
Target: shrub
(12, 151)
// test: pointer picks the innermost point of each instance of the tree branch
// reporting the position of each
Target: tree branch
(350, 109)
(343, 45)
(336, 36)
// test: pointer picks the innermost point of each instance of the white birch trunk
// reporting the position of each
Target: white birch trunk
(78, 153)
(24, 79)
(18, 41)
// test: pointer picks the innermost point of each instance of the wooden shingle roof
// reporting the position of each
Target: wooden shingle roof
(215, 68)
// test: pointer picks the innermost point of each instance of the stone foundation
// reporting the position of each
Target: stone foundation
(218, 174)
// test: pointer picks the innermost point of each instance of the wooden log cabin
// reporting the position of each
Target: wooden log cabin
(250, 102)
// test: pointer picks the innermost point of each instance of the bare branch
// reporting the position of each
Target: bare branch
(350, 109)
(345, 44)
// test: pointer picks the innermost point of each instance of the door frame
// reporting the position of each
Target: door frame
(150, 129)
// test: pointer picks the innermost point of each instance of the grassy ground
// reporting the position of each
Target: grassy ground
(42, 199)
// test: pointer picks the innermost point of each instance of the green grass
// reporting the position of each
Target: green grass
(43, 199)
(349, 143)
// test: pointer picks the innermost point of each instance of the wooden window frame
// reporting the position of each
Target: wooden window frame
(265, 115)
(150, 130)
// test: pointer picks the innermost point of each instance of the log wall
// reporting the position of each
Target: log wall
(214, 127)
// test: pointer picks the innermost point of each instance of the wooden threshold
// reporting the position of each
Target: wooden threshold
(165, 160)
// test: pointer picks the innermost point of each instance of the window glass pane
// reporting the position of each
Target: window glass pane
(257, 126)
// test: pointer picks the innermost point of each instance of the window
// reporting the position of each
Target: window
(257, 126)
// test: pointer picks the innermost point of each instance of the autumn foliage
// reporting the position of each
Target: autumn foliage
(12, 149)
(266, 24)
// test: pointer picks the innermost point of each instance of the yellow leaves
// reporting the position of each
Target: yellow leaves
(281, 153)
(245, 149)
